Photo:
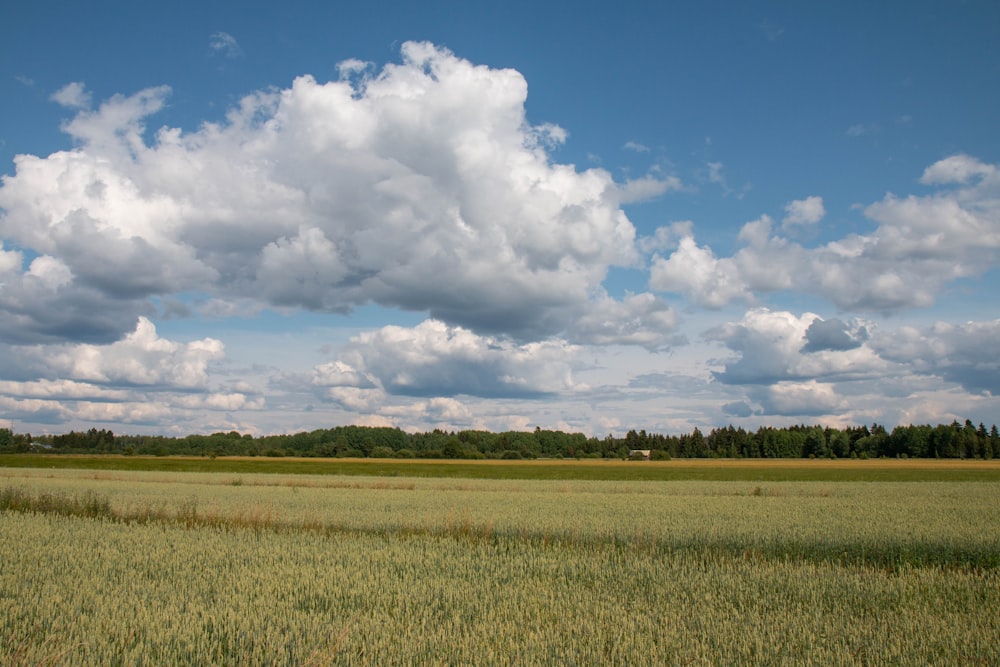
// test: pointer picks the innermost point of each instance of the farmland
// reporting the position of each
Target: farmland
(752, 563)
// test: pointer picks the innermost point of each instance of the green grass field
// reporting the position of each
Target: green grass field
(780, 563)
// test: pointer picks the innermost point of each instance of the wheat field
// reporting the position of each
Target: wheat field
(155, 568)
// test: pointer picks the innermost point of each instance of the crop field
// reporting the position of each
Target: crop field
(897, 470)
(251, 568)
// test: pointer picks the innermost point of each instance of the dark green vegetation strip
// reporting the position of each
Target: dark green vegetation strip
(763, 471)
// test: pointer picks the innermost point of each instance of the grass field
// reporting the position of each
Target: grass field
(787, 563)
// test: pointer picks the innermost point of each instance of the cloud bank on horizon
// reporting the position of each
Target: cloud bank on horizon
(423, 189)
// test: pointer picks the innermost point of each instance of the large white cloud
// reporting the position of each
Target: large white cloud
(775, 346)
(142, 358)
(438, 360)
(141, 379)
(921, 244)
(423, 187)
(806, 365)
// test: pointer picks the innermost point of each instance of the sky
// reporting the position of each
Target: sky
(589, 216)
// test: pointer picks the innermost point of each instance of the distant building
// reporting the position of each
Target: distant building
(638, 454)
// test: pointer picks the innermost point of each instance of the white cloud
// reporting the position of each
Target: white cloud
(50, 272)
(10, 260)
(422, 188)
(635, 147)
(806, 211)
(353, 66)
(435, 359)
(357, 399)
(698, 274)
(665, 237)
(444, 412)
(225, 44)
(646, 188)
(73, 95)
(808, 398)
(775, 346)
(958, 169)
(142, 379)
(637, 319)
(852, 370)
(113, 131)
(141, 358)
(968, 354)
(339, 374)
(61, 389)
(921, 244)
(128, 412)
(226, 402)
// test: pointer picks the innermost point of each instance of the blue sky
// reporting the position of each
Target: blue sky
(590, 216)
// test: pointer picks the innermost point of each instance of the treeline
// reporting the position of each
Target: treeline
(953, 440)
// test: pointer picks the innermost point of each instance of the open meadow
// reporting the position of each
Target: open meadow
(715, 562)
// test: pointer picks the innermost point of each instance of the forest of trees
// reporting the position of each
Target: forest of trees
(955, 440)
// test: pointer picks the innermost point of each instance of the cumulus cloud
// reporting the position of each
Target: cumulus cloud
(420, 187)
(434, 359)
(44, 304)
(807, 399)
(141, 379)
(357, 399)
(807, 211)
(775, 346)
(73, 95)
(804, 365)
(142, 358)
(10, 260)
(352, 66)
(960, 168)
(781, 375)
(637, 319)
(967, 354)
(921, 244)
(696, 272)
(339, 374)
(665, 237)
(442, 410)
